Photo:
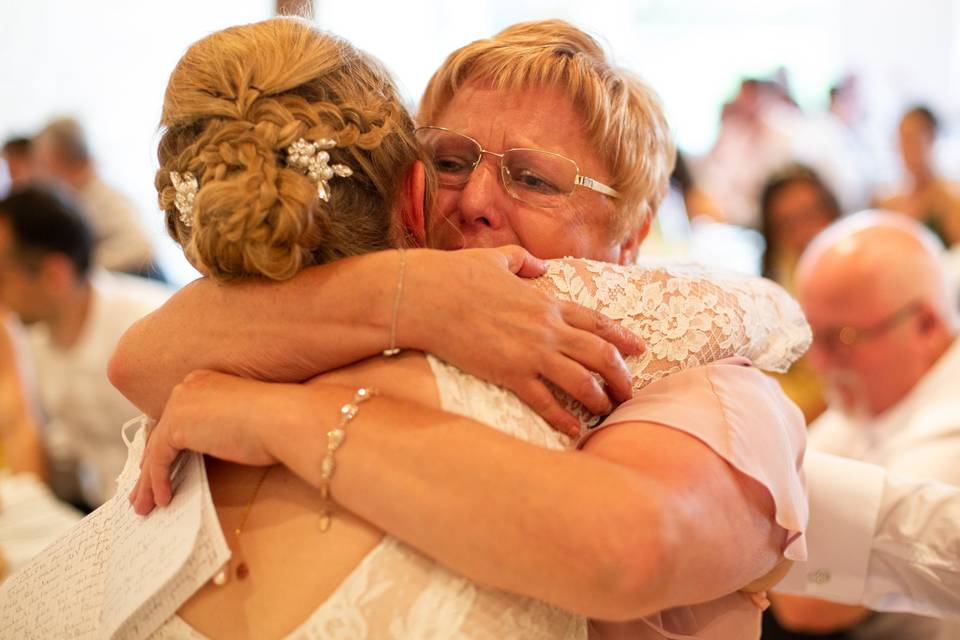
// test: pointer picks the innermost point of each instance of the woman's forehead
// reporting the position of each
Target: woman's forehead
(537, 117)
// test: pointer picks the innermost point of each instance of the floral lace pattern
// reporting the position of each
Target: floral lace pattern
(688, 316)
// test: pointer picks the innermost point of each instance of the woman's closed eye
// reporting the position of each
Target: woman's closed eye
(532, 181)
(455, 165)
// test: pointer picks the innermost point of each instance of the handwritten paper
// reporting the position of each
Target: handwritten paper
(116, 574)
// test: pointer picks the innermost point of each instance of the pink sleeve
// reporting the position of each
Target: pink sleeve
(745, 418)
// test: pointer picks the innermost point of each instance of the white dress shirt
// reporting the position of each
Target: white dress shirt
(879, 535)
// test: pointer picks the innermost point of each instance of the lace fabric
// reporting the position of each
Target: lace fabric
(687, 316)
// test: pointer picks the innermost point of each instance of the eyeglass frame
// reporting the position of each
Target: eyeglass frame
(847, 337)
(580, 180)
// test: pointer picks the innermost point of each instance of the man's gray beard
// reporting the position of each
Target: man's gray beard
(855, 408)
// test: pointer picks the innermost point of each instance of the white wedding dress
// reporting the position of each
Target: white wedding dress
(687, 317)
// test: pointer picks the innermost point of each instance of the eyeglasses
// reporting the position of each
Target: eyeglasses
(835, 338)
(538, 178)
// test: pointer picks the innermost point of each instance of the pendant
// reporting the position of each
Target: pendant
(221, 577)
(242, 571)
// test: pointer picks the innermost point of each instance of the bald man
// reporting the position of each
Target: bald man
(884, 317)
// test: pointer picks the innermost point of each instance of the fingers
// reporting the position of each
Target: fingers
(153, 485)
(540, 399)
(578, 383)
(595, 354)
(162, 456)
(522, 262)
(142, 496)
(600, 325)
(589, 353)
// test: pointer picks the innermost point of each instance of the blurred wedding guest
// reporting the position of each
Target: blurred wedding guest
(856, 158)
(31, 517)
(795, 205)
(61, 152)
(696, 202)
(75, 315)
(16, 155)
(753, 140)
(926, 197)
(20, 449)
(885, 340)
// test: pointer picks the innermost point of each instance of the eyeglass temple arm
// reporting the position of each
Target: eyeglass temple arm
(590, 183)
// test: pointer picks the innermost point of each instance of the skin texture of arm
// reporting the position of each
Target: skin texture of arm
(281, 331)
(615, 533)
(242, 327)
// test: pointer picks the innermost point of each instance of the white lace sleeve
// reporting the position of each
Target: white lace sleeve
(687, 315)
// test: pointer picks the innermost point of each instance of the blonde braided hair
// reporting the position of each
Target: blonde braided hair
(235, 101)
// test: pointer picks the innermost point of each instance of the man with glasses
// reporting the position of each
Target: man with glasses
(885, 341)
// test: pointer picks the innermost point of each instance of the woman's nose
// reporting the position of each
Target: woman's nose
(483, 197)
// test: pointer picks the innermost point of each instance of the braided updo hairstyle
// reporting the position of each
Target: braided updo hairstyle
(235, 101)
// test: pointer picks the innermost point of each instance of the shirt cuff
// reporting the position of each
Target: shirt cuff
(845, 497)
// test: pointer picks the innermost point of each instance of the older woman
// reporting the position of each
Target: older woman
(616, 533)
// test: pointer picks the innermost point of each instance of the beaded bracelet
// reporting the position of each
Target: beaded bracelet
(335, 438)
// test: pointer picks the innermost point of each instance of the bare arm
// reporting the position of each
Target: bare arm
(258, 329)
(18, 430)
(339, 313)
(613, 534)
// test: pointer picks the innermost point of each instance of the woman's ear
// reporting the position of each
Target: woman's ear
(412, 203)
(630, 247)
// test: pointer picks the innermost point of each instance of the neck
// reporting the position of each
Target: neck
(71, 316)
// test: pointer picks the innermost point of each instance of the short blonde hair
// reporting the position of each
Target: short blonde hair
(623, 117)
(235, 101)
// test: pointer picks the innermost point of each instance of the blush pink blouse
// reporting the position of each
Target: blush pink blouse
(742, 415)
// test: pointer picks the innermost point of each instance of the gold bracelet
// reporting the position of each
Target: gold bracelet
(393, 349)
(335, 438)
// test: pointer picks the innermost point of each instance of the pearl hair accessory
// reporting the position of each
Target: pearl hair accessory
(313, 159)
(187, 187)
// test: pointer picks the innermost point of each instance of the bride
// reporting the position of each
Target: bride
(285, 147)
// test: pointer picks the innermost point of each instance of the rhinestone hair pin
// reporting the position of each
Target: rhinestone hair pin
(186, 185)
(312, 159)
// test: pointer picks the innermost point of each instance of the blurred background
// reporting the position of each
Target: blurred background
(746, 84)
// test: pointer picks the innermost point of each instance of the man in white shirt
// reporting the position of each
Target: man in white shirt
(60, 152)
(76, 317)
(879, 540)
(885, 327)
